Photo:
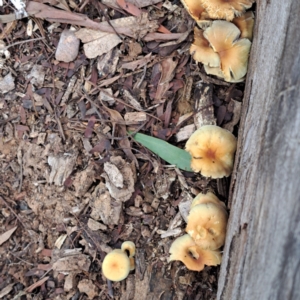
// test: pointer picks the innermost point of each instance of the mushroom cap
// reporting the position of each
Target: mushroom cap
(201, 50)
(214, 71)
(128, 246)
(194, 8)
(207, 225)
(212, 149)
(209, 197)
(194, 258)
(116, 265)
(226, 9)
(233, 52)
(245, 24)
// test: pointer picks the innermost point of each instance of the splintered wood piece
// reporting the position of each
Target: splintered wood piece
(204, 105)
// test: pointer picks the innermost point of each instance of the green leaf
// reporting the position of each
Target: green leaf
(171, 154)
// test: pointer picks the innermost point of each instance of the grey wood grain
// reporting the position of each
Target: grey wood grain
(262, 251)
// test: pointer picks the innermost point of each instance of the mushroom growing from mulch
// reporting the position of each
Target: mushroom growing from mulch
(212, 149)
(185, 250)
(207, 225)
(222, 51)
(226, 9)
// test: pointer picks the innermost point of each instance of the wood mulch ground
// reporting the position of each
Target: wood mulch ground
(63, 134)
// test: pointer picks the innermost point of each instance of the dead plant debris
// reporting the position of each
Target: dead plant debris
(73, 183)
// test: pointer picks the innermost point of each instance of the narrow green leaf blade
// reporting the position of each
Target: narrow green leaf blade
(171, 154)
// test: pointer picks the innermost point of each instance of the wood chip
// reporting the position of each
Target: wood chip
(6, 235)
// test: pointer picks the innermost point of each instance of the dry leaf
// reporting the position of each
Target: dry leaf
(138, 3)
(5, 291)
(119, 193)
(36, 284)
(86, 286)
(104, 207)
(6, 235)
(167, 73)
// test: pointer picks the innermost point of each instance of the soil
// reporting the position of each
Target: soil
(74, 184)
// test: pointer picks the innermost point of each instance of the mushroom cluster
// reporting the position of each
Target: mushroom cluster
(206, 229)
(222, 46)
(118, 263)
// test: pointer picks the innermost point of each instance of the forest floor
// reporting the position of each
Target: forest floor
(62, 127)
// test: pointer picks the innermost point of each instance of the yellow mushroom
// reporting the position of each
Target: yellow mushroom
(212, 149)
(201, 50)
(226, 9)
(245, 24)
(233, 52)
(185, 250)
(222, 51)
(207, 225)
(128, 246)
(197, 12)
(116, 265)
(209, 197)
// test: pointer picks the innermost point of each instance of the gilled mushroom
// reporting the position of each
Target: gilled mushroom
(233, 52)
(116, 265)
(185, 250)
(201, 50)
(245, 24)
(128, 246)
(209, 197)
(197, 12)
(212, 149)
(221, 50)
(226, 9)
(207, 225)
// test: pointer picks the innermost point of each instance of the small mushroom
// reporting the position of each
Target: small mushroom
(116, 265)
(212, 149)
(130, 247)
(226, 9)
(209, 197)
(197, 12)
(207, 225)
(202, 52)
(185, 250)
(221, 50)
(233, 52)
(245, 24)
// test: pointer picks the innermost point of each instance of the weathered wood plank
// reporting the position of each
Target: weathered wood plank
(262, 251)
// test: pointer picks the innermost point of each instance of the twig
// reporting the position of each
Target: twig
(4, 201)
(22, 42)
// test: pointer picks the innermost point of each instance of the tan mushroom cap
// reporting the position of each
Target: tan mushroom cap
(128, 246)
(245, 24)
(197, 12)
(116, 265)
(207, 225)
(194, 8)
(212, 149)
(226, 9)
(209, 197)
(214, 71)
(233, 52)
(201, 50)
(185, 250)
